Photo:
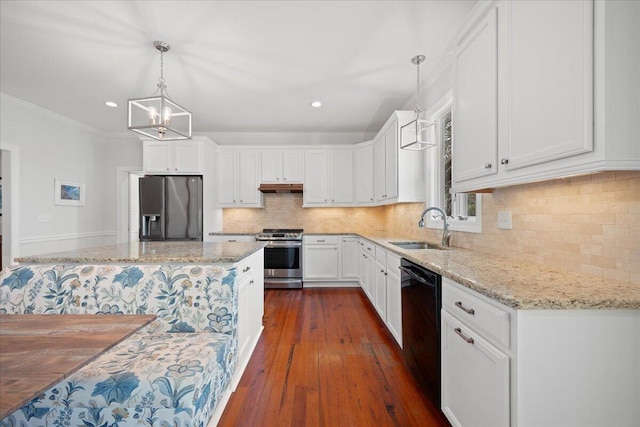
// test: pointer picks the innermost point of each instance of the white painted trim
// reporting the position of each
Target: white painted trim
(55, 238)
(435, 181)
(50, 113)
(14, 207)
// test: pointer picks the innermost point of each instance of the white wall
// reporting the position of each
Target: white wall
(52, 146)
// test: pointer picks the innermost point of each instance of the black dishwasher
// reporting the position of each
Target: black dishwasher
(421, 304)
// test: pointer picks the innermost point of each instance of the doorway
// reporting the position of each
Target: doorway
(10, 205)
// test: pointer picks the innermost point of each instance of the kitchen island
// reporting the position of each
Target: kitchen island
(207, 298)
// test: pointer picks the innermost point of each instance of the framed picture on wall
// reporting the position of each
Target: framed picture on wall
(69, 193)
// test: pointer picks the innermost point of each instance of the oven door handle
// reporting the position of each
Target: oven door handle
(413, 275)
(283, 244)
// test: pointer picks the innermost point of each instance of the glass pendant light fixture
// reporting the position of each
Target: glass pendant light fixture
(157, 116)
(415, 134)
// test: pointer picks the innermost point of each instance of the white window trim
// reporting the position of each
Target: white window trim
(435, 181)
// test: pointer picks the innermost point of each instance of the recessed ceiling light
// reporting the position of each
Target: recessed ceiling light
(316, 104)
(110, 104)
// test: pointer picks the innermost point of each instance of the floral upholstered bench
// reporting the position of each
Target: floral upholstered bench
(172, 373)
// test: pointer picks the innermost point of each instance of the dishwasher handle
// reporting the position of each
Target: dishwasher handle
(413, 275)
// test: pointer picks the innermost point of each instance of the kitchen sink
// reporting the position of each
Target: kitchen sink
(417, 245)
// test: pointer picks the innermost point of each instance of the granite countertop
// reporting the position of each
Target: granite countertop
(520, 285)
(152, 252)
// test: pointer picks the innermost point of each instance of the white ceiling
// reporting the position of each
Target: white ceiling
(239, 66)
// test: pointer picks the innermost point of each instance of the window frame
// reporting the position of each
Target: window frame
(434, 174)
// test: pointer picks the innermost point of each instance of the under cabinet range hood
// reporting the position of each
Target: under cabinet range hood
(280, 188)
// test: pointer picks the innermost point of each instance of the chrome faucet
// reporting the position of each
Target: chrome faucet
(446, 235)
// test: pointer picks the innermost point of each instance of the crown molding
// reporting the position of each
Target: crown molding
(51, 114)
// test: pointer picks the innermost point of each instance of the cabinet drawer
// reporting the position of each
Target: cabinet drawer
(321, 240)
(487, 319)
(381, 255)
(244, 271)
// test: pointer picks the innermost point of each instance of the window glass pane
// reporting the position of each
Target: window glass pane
(446, 144)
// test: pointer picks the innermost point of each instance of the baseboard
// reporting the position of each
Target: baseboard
(319, 284)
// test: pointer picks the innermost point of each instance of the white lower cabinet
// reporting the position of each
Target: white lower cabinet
(350, 258)
(537, 367)
(394, 297)
(250, 283)
(320, 257)
(475, 377)
(380, 290)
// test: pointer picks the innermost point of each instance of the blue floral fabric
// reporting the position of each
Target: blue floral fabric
(184, 298)
(178, 376)
(171, 373)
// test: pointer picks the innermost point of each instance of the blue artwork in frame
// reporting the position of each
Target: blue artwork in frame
(69, 193)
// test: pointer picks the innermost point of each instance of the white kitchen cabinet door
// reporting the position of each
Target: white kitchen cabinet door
(391, 161)
(320, 262)
(282, 166)
(548, 62)
(380, 290)
(364, 175)
(341, 173)
(350, 258)
(270, 166)
(394, 305)
(187, 157)
(475, 377)
(227, 177)
(248, 169)
(156, 157)
(293, 166)
(475, 147)
(379, 171)
(172, 157)
(316, 188)
(238, 172)
(370, 276)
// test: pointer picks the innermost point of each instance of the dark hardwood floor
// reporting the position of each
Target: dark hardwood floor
(326, 359)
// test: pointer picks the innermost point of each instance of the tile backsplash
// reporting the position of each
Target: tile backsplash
(588, 224)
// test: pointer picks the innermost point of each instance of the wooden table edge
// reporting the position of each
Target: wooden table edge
(146, 318)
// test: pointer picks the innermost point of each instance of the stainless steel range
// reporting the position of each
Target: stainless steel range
(282, 258)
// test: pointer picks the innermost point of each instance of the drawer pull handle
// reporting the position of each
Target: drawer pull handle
(232, 240)
(244, 270)
(465, 309)
(251, 282)
(461, 335)
(320, 241)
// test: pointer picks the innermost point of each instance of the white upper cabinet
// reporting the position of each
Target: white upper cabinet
(545, 90)
(364, 175)
(238, 172)
(282, 166)
(316, 183)
(342, 174)
(475, 148)
(398, 174)
(329, 178)
(172, 157)
(547, 74)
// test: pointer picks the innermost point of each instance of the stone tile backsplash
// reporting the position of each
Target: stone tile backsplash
(588, 224)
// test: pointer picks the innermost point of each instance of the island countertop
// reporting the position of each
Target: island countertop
(151, 253)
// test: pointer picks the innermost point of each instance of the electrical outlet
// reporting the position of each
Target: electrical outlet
(44, 218)
(504, 220)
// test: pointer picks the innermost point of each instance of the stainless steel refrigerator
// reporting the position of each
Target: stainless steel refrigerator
(171, 208)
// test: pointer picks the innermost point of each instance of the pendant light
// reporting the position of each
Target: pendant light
(157, 116)
(415, 134)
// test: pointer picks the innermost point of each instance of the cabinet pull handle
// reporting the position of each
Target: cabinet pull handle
(251, 282)
(244, 270)
(504, 161)
(465, 309)
(461, 335)
(487, 165)
(232, 240)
